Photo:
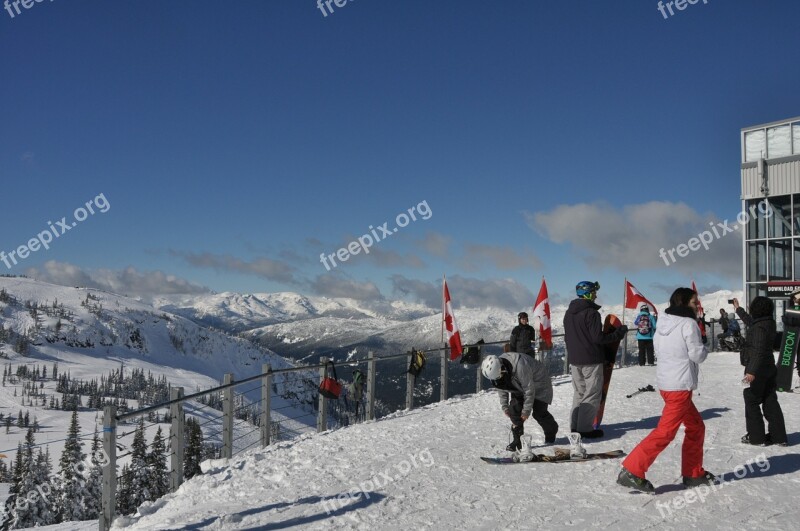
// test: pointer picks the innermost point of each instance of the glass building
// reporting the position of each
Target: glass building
(771, 209)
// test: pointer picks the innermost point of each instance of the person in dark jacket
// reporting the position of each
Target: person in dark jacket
(760, 397)
(583, 334)
(525, 390)
(523, 336)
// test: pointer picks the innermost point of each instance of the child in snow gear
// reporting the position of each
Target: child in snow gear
(760, 397)
(680, 351)
(523, 336)
(524, 388)
(583, 334)
(645, 328)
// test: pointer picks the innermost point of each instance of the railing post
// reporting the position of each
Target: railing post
(713, 336)
(322, 410)
(266, 385)
(109, 501)
(625, 349)
(443, 377)
(410, 381)
(176, 439)
(371, 375)
(478, 376)
(227, 418)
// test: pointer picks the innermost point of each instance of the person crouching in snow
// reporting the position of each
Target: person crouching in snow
(524, 388)
(680, 351)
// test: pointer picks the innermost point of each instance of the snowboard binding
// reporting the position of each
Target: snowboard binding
(576, 450)
(525, 453)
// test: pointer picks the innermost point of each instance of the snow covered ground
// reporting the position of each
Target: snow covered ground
(420, 469)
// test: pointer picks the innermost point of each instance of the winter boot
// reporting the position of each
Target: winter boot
(516, 444)
(626, 479)
(706, 479)
(594, 434)
(767, 440)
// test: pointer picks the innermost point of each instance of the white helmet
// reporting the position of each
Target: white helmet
(491, 367)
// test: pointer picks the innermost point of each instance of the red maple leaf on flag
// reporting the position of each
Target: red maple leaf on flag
(542, 310)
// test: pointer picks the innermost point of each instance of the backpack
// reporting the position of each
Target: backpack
(733, 327)
(644, 325)
(472, 355)
(417, 362)
(358, 380)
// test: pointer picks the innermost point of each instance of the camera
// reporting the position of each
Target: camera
(730, 301)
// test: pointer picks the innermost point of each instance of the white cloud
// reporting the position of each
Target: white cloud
(128, 281)
(629, 239)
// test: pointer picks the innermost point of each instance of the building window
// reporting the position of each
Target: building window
(779, 141)
(796, 259)
(755, 145)
(755, 290)
(796, 215)
(780, 259)
(757, 226)
(756, 261)
(796, 138)
(781, 218)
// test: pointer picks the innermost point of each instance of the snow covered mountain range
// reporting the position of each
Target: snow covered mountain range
(305, 328)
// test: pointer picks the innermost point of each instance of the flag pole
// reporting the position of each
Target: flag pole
(444, 283)
(624, 300)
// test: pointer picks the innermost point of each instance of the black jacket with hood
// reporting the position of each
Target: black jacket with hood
(757, 356)
(583, 333)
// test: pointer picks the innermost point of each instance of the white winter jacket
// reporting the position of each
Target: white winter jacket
(679, 348)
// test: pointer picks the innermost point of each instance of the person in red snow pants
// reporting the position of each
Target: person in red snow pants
(678, 409)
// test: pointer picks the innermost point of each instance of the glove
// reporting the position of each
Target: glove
(623, 329)
(705, 340)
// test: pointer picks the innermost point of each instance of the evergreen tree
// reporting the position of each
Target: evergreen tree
(193, 455)
(139, 475)
(94, 484)
(157, 463)
(70, 500)
(35, 472)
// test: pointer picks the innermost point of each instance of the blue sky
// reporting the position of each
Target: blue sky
(236, 141)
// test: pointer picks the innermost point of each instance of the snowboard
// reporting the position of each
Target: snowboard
(788, 351)
(561, 455)
(610, 324)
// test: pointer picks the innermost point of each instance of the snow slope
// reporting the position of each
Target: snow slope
(420, 469)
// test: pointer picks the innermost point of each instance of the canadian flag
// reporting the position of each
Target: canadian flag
(453, 334)
(542, 310)
(633, 299)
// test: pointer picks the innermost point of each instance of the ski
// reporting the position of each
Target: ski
(560, 455)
